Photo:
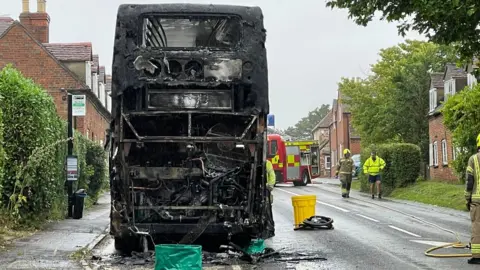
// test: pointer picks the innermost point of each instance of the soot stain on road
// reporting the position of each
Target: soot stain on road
(104, 256)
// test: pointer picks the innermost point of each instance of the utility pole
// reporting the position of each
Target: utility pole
(70, 153)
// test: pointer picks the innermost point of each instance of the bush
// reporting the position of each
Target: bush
(34, 146)
(92, 166)
(402, 165)
(2, 154)
(460, 115)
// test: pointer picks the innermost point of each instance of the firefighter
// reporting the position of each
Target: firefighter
(345, 169)
(372, 167)
(270, 179)
(472, 195)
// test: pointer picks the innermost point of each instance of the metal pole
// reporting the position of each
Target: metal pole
(69, 153)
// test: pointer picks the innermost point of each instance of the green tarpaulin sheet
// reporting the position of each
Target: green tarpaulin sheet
(178, 257)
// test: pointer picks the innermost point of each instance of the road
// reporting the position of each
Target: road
(367, 234)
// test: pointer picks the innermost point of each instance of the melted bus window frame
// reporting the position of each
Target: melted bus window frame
(235, 47)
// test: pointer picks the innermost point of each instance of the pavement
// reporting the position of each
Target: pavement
(52, 247)
(367, 234)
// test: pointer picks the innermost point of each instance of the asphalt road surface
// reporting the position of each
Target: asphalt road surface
(367, 234)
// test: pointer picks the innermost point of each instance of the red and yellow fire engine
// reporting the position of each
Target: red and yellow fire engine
(293, 161)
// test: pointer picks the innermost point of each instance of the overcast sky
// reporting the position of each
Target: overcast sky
(309, 46)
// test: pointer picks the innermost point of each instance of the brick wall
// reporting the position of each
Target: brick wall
(28, 56)
(355, 146)
(94, 124)
(438, 132)
(25, 54)
(324, 172)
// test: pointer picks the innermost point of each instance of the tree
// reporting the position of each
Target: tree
(443, 22)
(462, 116)
(303, 128)
(391, 105)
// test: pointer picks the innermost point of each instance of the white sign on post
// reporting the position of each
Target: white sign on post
(72, 168)
(79, 105)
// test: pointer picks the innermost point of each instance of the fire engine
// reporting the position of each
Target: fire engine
(294, 162)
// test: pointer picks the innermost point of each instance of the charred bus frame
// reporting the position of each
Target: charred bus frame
(148, 82)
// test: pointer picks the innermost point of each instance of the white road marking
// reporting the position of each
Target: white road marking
(236, 267)
(431, 243)
(369, 218)
(327, 204)
(404, 231)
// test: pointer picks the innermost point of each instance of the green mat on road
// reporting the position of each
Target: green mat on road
(178, 257)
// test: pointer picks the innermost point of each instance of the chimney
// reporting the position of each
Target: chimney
(38, 23)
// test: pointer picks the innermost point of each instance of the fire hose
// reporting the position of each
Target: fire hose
(457, 244)
(316, 222)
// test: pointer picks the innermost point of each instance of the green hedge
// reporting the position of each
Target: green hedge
(92, 166)
(33, 151)
(402, 165)
(33, 142)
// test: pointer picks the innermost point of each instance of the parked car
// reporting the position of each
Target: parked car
(358, 166)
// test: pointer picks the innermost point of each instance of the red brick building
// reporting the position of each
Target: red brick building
(321, 134)
(341, 133)
(58, 68)
(442, 151)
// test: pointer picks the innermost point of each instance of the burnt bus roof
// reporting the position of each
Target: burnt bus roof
(128, 11)
(130, 15)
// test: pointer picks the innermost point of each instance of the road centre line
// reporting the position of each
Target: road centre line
(369, 218)
(327, 204)
(404, 231)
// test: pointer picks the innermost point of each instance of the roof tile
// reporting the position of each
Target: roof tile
(325, 122)
(5, 23)
(71, 51)
(436, 80)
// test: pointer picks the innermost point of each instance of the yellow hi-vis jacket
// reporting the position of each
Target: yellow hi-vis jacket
(472, 185)
(373, 167)
(270, 175)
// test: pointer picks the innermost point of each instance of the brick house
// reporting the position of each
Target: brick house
(57, 67)
(321, 134)
(441, 149)
(342, 134)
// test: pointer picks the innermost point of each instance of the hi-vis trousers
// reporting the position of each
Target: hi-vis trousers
(475, 216)
(346, 180)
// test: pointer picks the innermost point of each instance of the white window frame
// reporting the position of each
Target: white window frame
(450, 89)
(333, 160)
(328, 161)
(471, 80)
(444, 152)
(435, 153)
(88, 73)
(433, 99)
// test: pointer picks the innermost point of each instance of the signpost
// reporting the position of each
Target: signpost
(79, 105)
(72, 168)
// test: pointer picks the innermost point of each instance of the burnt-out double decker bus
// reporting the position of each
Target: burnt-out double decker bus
(188, 139)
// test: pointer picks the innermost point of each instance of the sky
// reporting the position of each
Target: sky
(309, 46)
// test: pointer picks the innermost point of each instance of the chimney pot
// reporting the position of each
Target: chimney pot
(41, 6)
(25, 6)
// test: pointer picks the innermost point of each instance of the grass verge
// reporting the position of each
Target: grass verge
(432, 192)
(355, 185)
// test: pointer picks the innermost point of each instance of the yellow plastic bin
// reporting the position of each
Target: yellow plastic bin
(303, 208)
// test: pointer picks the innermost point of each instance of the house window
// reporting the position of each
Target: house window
(435, 153)
(444, 152)
(433, 99)
(327, 162)
(450, 88)
(471, 80)
(341, 151)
